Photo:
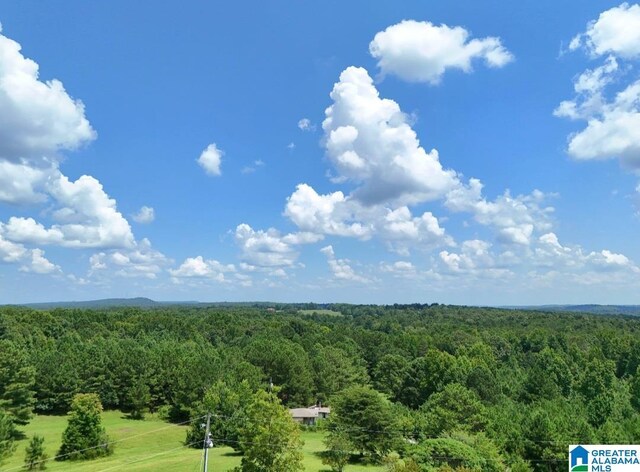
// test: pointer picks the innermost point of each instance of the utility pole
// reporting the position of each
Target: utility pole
(207, 443)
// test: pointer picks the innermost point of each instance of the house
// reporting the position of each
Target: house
(308, 416)
(323, 411)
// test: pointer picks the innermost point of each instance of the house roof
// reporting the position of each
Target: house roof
(304, 412)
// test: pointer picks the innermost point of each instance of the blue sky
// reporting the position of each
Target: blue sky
(452, 152)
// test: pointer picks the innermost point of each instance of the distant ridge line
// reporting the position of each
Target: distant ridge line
(143, 302)
(633, 310)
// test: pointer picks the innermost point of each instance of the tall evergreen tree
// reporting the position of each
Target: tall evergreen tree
(138, 399)
(17, 380)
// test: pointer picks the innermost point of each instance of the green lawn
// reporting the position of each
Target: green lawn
(150, 445)
(320, 312)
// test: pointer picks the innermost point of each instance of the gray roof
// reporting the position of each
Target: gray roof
(304, 412)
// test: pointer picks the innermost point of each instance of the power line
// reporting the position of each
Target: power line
(285, 446)
(406, 430)
(150, 456)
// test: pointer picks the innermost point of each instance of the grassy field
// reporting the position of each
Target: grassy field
(320, 312)
(149, 445)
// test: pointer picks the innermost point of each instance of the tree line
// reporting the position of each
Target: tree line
(419, 387)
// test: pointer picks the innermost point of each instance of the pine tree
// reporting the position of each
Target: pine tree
(85, 437)
(7, 433)
(17, 380)
(35, 458)
(138, 399)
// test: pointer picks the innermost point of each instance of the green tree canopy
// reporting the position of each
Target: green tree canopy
(454, 408)
(427, 375)
(17, 379)
(228, 405)
(84, 437)
(366, 417)
(7, 433)
(270, 437)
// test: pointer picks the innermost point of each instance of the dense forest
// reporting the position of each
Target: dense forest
(438, 387)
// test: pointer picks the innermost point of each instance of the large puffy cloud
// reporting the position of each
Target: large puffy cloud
(85, 217)
(613, 125)
(370, 142)
(38, 121)
(612, 131)
(38, 118)
(32, 260)
(514, 218)
(20, 183)
(616, 31)
(419, 51)
(200, 268)
(334, 214)
(402, 231)
(329, 214)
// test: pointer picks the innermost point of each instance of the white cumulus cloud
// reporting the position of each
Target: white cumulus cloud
(270, 249)
(370, 142)
(145, 215)
(39, 264)
(211, 159)
(142, 260)
(616, 31)
(341, 268)
(198, 267)
(612, 125)
(514, 218)
(85, 217)
(37, 118)
(419, 51)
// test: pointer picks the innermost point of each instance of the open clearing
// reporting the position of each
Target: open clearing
(320, 312)
(149, 445)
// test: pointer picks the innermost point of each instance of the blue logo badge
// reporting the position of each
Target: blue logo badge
(579, 460)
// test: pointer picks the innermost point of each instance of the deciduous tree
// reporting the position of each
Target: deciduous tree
(84, 437)
(270, 438)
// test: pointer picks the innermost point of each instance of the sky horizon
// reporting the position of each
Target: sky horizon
(452, 153)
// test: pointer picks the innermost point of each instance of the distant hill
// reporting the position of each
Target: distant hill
(632, 310)
(139, 302)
